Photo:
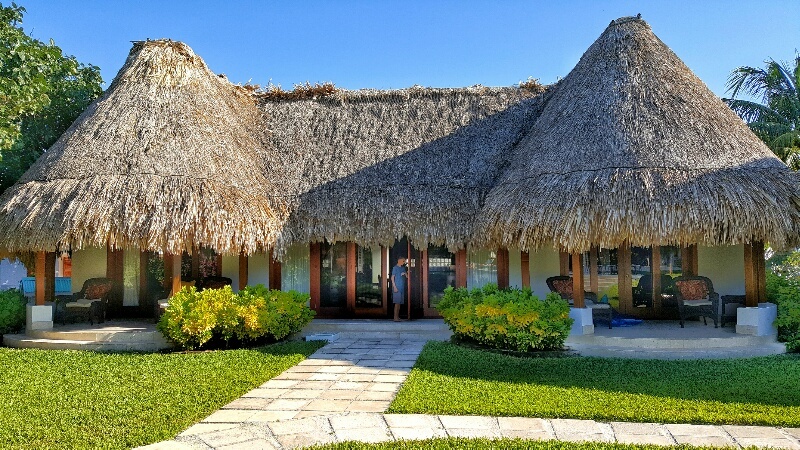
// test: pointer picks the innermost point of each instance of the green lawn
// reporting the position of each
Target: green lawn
(449, 379)
(505, 444)
(73, 399)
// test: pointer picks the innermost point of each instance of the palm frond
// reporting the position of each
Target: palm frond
(754, 112)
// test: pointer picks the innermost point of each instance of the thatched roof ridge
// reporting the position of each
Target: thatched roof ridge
(170, 156)
(633, 146)
(370, 166)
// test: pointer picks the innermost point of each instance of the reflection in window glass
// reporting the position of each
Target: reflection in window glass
(441, 273)
(295, 269)
(368, 278)
(481, 267)
(333, 274)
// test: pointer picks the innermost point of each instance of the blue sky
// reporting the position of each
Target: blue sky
(377, 44)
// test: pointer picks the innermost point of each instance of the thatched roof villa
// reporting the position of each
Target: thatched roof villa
(628, 165)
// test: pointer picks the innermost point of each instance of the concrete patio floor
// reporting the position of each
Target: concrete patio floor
(340, 392)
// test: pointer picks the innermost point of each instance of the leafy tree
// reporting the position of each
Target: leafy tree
(776, 120)
(42, 92)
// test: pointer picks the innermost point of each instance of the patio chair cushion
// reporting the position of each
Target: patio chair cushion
(97, 290)
(692, 289)
(697, 302)
(563, 287)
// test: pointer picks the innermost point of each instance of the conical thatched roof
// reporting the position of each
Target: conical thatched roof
(371, 166)
(633, 146)
(170, 156)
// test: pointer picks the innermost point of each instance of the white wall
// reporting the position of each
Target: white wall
(257, 269)
(544, 263)
(514, 268)
(230, 269)
(724, 266)
(87, 263)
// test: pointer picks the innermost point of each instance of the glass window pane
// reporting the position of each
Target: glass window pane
(481, 268)
(130, 277)
(368, 278)
(296, 269)
(441, 273)
(333, 268)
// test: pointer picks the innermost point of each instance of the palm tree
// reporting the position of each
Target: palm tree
(776, 120)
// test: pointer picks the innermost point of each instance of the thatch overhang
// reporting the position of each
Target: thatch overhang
(373, 166)
(632, 146)
(169, 157)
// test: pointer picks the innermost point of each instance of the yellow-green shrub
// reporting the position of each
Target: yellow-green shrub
(511, 319)
(193, 319)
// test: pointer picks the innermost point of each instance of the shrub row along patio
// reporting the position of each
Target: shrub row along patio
(69, 399)
(450, 379)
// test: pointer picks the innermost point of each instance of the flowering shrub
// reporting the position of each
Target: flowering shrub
(193, 319)
(511, 319)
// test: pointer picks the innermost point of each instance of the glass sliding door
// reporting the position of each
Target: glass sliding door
(333, 275)
(369, 294)
(441, 274)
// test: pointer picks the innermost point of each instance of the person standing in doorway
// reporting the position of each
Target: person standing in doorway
(398, 286)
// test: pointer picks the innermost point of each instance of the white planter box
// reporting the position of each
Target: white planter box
(39, 317)
(757, 321)
(582, 324)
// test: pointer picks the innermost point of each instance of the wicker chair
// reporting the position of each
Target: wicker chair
(91, 302)
(696, 298)
(643, 292)
(563, 286)
(214, 282)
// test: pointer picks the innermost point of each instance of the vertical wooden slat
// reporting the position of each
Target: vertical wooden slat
(689, 264)
(423, 271)
(50, 277)
(563, 264)
(275, 269)
(195, 263)
(761, 275)
(525, 267)
(316, 272)
(409, 277)
(577, 280)
(244, 268)
(750, 276)
(655, 271)
(502, 268)
(40, 271)
(624, 278)
(176, 274)
(352, 259)
(594, 275)
(168, 257)
(218, 265)
(384, 278)
(461, 268)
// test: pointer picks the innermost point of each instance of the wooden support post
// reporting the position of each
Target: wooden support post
(168, 257)
(274, 272)
(176, 274)
(350, 275)
(624, 278)
(577, 281)
(563, 263)
(689, 265)
(525, 267)
(502, 268)
(594, 275)
(461, 268)
(385, 278)
(655, 271)
(243, 270)
(40, 270)
(315, 271)
(196, 263)
(50, 277)
(754, 274)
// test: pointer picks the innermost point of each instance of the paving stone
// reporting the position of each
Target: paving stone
(367, 370)
(306, 414)
(527, 434)
(272, 416)
(364, 435)
(248, 403)
(314, 385)
(762, 442)
(324, 376)
(389, 379)
(279, 384)
(412, 421)
(400, 364)
(475, 422)
(167, 445)
(394, 371)
(373, 362)
(385, 387)
(376, 395)
(227, 437)
(417, 433)
(306, 368)
(640, 438)
(794, 432)
(302, 393)
(738, 431)
(327, 405)
(265, 393)
(295, 426)
(356, 421)
(362, 377)
(368, 406)
(202, 427)
(340, 394)
(575, 426)
(636, 428)
(230, 415)
(294, 376)
(683, 429)
(523, 423)
(257, 444)
(700, 440)
(473, 432)
(334, 369)
(304, 439)
(283, 404)
(351, 385)
(583, 437)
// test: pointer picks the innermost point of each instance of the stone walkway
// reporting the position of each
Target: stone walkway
(340, 392)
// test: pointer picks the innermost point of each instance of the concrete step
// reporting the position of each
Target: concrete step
(424, 329)
(121, 336)
(25, 341)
